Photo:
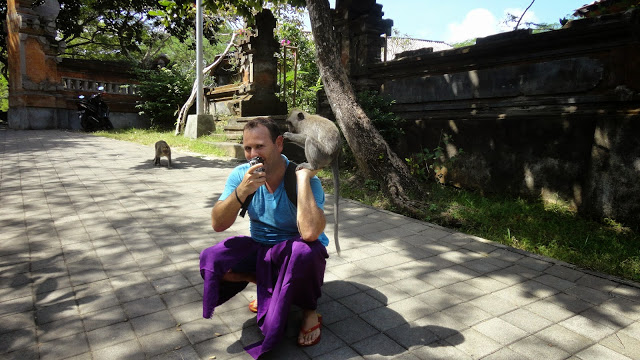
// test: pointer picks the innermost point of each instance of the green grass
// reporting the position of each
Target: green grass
(552, 230)
(203, 145)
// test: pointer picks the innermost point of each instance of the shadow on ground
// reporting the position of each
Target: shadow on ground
(345, 330)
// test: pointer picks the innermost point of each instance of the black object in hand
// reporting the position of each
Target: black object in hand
(257, 160)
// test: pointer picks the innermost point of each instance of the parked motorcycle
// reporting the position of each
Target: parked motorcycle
(94, 112)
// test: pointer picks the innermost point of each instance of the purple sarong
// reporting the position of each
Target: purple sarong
(290, 272)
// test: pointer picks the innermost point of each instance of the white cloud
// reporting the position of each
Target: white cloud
(477, 23)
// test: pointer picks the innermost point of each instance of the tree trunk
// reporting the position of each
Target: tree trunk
(374, 156)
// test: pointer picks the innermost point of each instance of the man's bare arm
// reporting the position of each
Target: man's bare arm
(224, 213)
(310, 218)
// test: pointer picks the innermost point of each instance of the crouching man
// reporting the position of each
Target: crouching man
(285, 256)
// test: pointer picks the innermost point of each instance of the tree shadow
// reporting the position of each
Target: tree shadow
(35, 299)
(186, 162)
(379, 330)
(440, 267)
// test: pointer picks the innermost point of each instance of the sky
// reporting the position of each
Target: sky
(454, 21)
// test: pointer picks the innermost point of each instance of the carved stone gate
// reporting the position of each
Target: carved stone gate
(44, 88)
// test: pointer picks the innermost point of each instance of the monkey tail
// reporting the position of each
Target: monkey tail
(336, 198)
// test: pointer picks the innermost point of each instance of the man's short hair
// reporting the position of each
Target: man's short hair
(269, 123)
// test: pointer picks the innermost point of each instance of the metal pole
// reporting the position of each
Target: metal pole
(200, 90)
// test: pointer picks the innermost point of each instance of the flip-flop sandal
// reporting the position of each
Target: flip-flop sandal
(312, 329)
(253, 306)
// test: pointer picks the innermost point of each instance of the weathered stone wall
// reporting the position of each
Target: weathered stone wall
(555, 114)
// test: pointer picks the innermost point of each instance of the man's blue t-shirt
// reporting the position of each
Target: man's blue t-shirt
(272, 216)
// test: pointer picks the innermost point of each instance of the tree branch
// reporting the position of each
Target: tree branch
(522, 16)
(182, 115)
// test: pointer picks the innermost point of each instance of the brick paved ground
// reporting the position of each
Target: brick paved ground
(99, 260)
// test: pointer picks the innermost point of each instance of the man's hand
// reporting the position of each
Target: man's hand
(225, 212)
(306, 174)
(251, 181)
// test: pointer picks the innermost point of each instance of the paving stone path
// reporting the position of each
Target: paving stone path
(99, 260)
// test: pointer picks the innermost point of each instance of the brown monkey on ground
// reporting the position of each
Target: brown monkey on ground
(162, 149)
(322, 143)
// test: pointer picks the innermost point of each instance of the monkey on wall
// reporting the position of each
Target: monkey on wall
(162, 149)
(321, 141)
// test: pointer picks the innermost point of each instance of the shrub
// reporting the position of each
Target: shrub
(378, 109)
(4, 94)
(163, 92)
(389, 125)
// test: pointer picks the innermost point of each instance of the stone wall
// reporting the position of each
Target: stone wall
(555, 114)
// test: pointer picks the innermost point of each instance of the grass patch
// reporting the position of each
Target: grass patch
(552, 230)
(204, 145)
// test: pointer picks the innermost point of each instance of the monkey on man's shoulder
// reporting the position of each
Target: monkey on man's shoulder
(318, 136)
(322, 143)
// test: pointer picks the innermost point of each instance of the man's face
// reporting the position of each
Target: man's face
(257, 142)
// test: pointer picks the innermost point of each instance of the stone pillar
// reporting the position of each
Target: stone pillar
(260, 69)
(359, 27)
(34, 84)
(199, 125)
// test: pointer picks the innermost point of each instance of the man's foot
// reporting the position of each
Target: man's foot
(310, 331)
(253, 306)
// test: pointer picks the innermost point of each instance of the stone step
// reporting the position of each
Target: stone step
(235, 125)
(231, 149)
(244, 119)
(234, 136)
(235, 150)
(223, 90)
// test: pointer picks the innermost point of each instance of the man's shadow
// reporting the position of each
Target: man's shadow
(349, 330)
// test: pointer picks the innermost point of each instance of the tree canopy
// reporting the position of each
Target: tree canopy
(121, 29)
(125, 29)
